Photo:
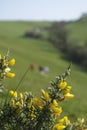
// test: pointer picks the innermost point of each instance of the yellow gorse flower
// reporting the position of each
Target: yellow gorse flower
(11, 62)
(62, 123)
(68, 95)
(38, 102)
(62, 84)
(18, 103)
(21, 101)
(54, 104)
(64, 120)
(82, 120)
(67, 90)
(33, 116)
(13, 94)
(45, 95)
(59, 127)
(10, 75)
(57, 110)
(21, 95)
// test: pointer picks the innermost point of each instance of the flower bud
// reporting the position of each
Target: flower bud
(69, 95)
(10, 75)
(13, 94)
(11, 62)
(7, 69)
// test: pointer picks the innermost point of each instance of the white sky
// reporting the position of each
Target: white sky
(42, 9)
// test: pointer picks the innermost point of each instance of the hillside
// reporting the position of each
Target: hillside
(41, 52)
(78, 31)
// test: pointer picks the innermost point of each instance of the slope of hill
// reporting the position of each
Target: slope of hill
(40, 52)
(78, 31)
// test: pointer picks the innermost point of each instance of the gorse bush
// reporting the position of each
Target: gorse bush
(24, 111)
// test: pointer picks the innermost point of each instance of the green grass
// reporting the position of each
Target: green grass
(41, 52)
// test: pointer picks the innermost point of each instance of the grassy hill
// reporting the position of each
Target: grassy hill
(78, 31)
(41, 52)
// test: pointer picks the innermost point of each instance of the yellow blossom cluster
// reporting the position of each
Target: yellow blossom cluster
(53, 104)
(5, 67)
(16, 101)
(38, 102)
(45, 95)
(62, 123)
(55, 108)
(65, 90)
(20, 101)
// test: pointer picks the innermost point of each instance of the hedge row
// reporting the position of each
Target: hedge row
(58, 35)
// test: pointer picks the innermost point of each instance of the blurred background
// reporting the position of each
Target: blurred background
(46, 36)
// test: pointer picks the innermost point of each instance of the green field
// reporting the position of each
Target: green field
(41, 52)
